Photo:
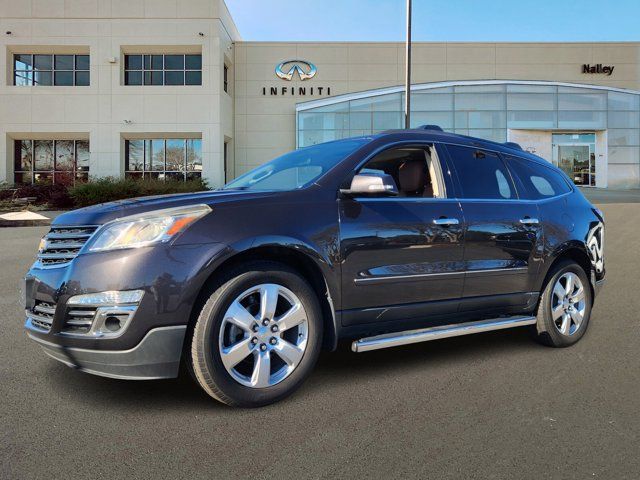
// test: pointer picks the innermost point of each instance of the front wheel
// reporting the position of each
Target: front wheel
(565, 306)
(258, 336)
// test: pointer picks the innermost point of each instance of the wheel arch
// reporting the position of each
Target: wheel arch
(299, 257)
(575, 251)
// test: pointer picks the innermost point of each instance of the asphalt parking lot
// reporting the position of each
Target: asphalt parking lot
(495, 405)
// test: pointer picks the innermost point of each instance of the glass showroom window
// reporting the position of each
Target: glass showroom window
(164, 158)
(47, 70)
(163, 69)
(51, 161)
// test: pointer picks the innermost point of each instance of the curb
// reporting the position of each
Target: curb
(24, 223)
(23, 219)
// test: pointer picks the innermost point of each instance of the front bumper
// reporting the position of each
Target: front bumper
(156, 356)
(171, 278)
(150, 346)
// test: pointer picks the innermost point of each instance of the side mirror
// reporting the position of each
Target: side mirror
(371, 184)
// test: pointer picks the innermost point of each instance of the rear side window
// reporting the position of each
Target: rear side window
(481, 174)
(538, 181)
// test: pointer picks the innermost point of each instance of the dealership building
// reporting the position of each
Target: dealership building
(168, 89)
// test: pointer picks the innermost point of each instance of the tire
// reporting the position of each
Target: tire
(561, 329)
(276, 363)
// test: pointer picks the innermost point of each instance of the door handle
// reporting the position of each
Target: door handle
(529, 221)
(445, 222)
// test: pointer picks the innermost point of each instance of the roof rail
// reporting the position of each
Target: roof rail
(512, 145)
(437, 128)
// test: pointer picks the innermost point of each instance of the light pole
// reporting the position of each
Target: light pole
(407, 72)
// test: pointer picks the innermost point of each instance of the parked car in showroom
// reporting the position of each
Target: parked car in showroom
(385, 240)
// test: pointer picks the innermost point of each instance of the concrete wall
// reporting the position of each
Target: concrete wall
(110, 28)
(537, 142)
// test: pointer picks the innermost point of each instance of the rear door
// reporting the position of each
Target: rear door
(503, 236)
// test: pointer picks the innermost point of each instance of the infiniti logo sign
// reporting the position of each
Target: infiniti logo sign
(303, 70)
(288, 68)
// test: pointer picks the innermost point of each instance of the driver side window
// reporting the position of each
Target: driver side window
(413, 169)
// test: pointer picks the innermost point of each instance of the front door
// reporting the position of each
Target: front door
(401, 254)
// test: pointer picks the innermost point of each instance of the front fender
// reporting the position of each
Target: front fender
(324, 266)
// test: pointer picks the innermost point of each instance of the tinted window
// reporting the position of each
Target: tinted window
(481, 174)
(170, 69)
(64, 162)
(163, 159)
(537, 180)
(47, 69)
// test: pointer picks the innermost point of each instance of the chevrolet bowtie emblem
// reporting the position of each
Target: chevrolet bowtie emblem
(298, 66)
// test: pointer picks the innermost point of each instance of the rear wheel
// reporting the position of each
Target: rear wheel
(565, 306)
(258, 336)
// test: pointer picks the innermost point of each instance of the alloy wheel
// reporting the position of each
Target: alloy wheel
(568, 303)
(263, 335)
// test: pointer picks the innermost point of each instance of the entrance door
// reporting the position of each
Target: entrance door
(575, 155)
(576, 162)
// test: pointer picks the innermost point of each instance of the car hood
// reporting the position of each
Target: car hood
(105, 212)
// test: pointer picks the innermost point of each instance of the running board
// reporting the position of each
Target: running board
(435, 333)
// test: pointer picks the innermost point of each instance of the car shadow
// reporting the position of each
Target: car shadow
(343, 366)
(333, 369)
(176, 393)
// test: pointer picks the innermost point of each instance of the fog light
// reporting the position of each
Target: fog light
(112, 324)
(112, 321)
(112, 311)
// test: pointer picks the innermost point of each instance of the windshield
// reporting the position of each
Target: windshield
(296, 169)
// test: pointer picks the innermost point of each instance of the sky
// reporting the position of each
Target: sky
(438, 20)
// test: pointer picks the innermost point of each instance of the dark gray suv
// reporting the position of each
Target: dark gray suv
(396, 238)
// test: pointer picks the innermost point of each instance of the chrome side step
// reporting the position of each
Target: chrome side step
(435, 333)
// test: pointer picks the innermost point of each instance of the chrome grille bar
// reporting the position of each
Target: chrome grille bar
(63, 243)
(46, 308)
(41, 318)
(82, 313)
(79, 323)
(66, 236)
(66, 245)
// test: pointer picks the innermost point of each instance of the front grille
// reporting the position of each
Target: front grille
(62, 244)
(41, 315)
(76, 320)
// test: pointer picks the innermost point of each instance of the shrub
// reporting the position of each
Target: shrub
(56, 196)
(110, 189)
(96, 191)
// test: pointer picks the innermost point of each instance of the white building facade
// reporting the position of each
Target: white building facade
(167, 89)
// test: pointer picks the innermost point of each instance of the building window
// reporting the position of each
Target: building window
(225, 81)
(164, 158)
(51, 161)
(163, 69)
(47, 70)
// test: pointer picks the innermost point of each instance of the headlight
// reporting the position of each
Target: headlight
(146, 228)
